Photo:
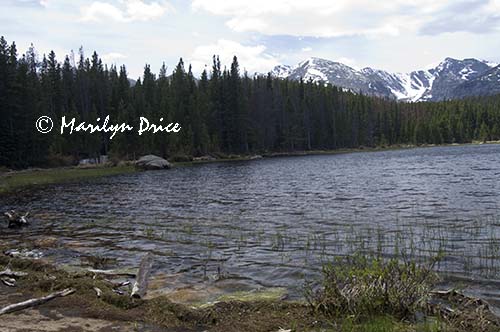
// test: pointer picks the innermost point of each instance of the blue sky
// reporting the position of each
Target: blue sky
(396, 35)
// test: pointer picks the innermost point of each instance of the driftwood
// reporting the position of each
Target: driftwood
(35, 302)
(141, 281)
(112, 272)
(15, 219)
(10, 273)
(444, 292)
(98, 291)
(117, 291)
(121, 284)
(9, 281)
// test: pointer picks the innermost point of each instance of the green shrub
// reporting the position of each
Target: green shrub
(365, 287)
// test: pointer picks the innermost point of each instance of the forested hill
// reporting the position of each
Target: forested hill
(223, 112)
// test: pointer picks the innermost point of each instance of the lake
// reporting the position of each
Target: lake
(221, 227)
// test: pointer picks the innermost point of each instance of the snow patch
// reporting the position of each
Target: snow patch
(413, 89)
(466, 72)
(316, 75)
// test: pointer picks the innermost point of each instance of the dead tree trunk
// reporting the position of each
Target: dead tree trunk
(35, 302)
(141, 281)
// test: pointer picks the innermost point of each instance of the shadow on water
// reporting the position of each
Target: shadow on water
(272, 222)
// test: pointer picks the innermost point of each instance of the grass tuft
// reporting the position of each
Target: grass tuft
(362, 287)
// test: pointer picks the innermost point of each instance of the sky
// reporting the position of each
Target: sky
(395, 35)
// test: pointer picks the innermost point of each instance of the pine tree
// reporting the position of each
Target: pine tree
(224, 112)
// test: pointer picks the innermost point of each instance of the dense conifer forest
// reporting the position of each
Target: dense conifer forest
(223, 112)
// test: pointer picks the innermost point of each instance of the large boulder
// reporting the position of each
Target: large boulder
(152, 162)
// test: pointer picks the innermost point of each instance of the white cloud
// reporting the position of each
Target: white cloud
(348, 61)
(334, 18)
(128, 11)
(250, 58)
(113, 57)
(43, 3)
(475, 16)
(306, 49)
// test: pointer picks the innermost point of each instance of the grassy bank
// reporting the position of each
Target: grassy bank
(12, 181)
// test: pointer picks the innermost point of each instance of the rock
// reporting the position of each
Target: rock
(24, 253)
(151, 162)
(204, 158)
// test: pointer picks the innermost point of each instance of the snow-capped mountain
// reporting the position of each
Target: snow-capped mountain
(282, 71)
(441, 82)
(486, 84)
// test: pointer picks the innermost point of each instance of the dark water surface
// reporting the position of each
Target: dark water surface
(271, 222)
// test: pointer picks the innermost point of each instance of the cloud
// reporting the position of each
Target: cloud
(30, 3)
(128, 11)
(250, 58)
(348, 61)
(326, 18)
(306, 49)
(113, 57)
(476, 16)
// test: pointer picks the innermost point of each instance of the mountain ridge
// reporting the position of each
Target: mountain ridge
(450, 79)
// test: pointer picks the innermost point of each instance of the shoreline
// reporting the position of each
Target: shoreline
(111, 307)
(15, 180)
(257, 156)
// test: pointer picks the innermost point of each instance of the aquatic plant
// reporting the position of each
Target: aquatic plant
(364, 286)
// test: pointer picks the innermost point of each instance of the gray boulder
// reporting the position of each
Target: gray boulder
(152, 162)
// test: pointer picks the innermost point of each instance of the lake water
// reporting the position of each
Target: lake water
(229, 226)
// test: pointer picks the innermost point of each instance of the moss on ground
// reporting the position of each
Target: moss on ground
(268, 294)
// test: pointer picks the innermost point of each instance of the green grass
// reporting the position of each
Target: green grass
(18, 180)
(360, 287)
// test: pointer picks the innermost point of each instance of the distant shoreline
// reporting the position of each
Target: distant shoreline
(329, 152)
(12, 181)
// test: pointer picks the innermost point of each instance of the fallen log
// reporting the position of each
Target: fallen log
(117, 291)
(141, 281)
(10, 273)
(113, 272)
(121, 284)
(98, 291)
(443, 292)
(34, 302)
(11, 282)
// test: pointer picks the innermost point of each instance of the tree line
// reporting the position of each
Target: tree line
(223, 112)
